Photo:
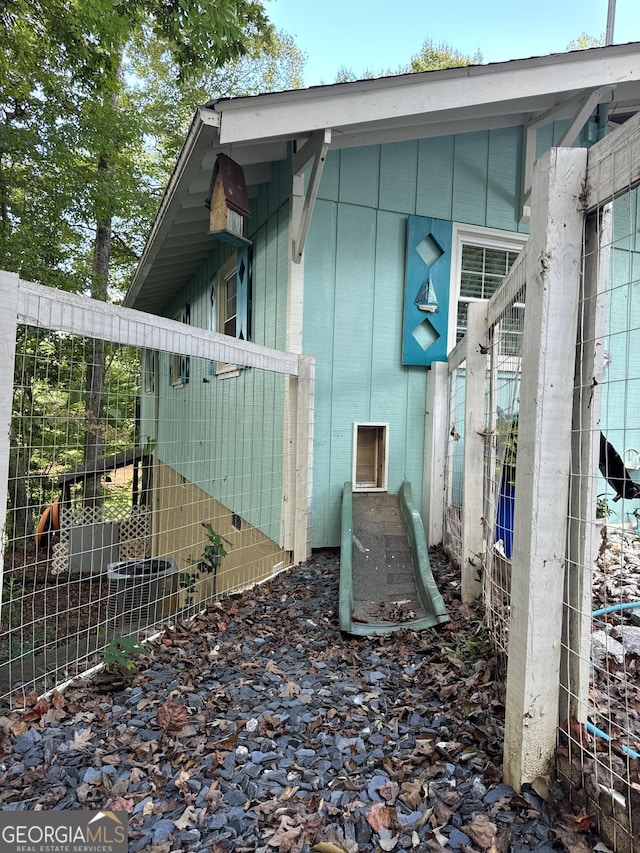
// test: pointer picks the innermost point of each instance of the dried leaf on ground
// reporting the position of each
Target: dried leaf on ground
(380, 817)
(172, 717)
(481, 831)
(82, 740)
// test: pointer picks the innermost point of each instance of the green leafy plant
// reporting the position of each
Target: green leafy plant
(213, 551)
(121, 651)
(603, 510)
(206, 564)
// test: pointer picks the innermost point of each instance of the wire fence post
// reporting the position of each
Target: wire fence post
(543, 462)
(8, 330)
(474, 444)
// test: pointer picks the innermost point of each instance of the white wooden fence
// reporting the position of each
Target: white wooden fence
(207, 459)
(540, 595)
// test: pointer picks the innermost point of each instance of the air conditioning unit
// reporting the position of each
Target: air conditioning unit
(141, 593)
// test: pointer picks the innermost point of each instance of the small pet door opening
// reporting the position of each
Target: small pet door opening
(370, 445)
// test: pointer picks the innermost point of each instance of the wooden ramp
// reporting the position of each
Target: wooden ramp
(386, 581)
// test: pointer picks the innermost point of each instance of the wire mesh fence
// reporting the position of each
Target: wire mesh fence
(599, 753)
(505, 322)
(143, 483)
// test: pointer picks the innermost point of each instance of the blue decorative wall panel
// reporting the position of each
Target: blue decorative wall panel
(426, 292)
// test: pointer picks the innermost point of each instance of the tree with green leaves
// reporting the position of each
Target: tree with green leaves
(585, 41)
(431, 57)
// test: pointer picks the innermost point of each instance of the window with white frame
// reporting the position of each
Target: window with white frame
(224, 309)
(481, 259)
(180, 364)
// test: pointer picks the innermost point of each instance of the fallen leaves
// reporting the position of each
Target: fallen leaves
(172, 717)
(82, 740)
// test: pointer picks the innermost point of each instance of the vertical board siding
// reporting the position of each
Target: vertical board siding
(360, 175)
(352, 339)
(398, 176)
(470, 178)
(207, 430)
(504, 178)
(435, 168)
(330, 180)
(354, 290)
(319, 327)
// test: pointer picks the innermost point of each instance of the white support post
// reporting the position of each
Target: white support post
(304, 459)
(435, 446)
(474, 426)
(9, 284)
(542, 471)
(585, 452)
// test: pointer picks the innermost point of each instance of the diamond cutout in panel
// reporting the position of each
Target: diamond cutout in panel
(429, 250)
(425, 334)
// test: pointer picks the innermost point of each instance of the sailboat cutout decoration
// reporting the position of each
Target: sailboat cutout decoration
(426, 300)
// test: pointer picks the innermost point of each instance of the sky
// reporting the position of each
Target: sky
(382, 35)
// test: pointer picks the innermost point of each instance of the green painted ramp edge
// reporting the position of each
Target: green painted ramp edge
(428, 593)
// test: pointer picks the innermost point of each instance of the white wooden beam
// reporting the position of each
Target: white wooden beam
(579, 119)
(316, 146)
(435, 446)
(8, 328)
(553, 262)
(316, 149)
(295, 113)
(69, 312)
(614, 164)
(474, 426)
(209, 117)
(305, 401)
(581, 105)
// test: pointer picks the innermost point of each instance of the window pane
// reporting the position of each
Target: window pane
(472, 258)
(461, 324)
(471, 285)
(495, 262)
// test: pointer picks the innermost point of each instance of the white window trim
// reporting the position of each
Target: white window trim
(176, 368)
(478, 235)
(149, 371)
(224, 370)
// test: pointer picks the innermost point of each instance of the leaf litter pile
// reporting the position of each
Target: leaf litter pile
(257, 726)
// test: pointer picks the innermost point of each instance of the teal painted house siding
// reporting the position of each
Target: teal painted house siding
(226, 435)
(620, 415)
(354, 290)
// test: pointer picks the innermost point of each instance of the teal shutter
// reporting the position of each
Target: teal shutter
(243, 293)
(426, 292)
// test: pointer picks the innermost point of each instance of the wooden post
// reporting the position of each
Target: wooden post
(9, 283)
(435, 445)
(585, 451)
(304, 458)
(474, 446)
(542, 473)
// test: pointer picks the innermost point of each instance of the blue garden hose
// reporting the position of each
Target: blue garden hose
(632, 605)
(599, 733)
(614, 608)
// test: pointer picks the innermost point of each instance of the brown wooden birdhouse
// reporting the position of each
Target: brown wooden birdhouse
(228, 202)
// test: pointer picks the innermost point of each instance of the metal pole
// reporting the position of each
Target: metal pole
(611, 17)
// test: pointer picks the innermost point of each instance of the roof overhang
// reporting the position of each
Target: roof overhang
(256, 131)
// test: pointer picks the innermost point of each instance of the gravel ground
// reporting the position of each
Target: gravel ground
(259, 727)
